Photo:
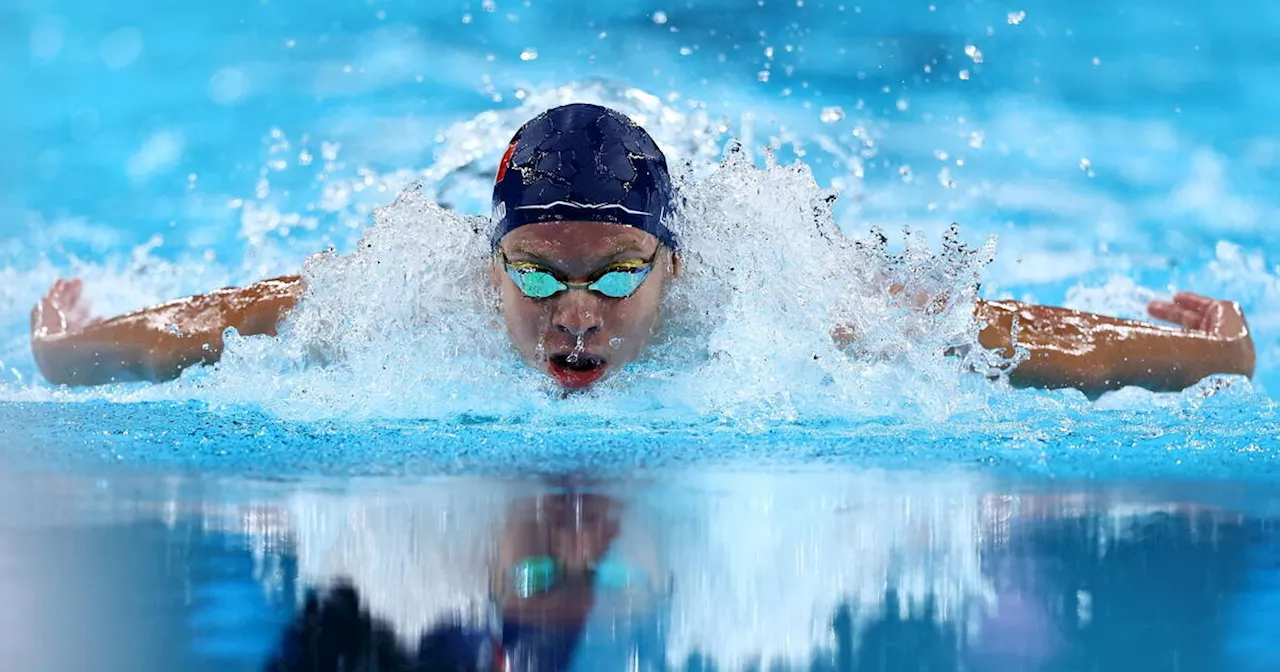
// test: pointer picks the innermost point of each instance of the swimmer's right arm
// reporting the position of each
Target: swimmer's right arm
(153, 344)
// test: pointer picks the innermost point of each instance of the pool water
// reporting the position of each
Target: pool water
(768, 515)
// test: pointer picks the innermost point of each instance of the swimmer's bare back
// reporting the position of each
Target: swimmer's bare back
(153, 344)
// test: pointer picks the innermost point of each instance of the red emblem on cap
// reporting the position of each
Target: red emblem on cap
(506, 159)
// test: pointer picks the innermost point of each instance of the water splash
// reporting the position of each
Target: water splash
(400, 320)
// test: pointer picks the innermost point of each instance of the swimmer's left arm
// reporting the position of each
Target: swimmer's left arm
(1095, 353)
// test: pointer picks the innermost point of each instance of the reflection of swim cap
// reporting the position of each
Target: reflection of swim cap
(582, 162)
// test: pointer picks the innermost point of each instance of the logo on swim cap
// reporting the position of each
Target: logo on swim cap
(583, 162)
(506, 159)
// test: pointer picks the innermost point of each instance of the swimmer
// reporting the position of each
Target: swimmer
(581, 257)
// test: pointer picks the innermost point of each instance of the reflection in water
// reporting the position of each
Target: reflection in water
(714, 571)
(867, 571)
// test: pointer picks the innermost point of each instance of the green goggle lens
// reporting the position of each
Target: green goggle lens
(619, 284)
(537, 284)
(539, 574)
(534, 575)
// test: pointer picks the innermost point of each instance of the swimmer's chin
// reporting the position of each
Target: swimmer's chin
(582, 372)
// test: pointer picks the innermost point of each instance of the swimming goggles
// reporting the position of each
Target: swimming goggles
(540, 574)
(615, 281)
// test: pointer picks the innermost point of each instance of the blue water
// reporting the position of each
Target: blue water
(1118, 150)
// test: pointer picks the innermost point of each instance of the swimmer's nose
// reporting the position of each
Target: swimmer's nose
(577, 314)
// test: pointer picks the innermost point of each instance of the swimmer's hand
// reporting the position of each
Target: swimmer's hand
(71, 347)
(1095, 353)
(1220, 320)
(63, 310)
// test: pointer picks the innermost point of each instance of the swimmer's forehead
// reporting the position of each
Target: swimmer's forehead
(564, 240)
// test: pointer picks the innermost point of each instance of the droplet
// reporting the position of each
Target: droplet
(976, 139)
(616, 342)
(831, 115)
(659, 17)
(972, 51)
(1016, 18)
(529, 55)
(763, 75)
(964, 74)
(902, 105)
(1097, 61)
(577, 351)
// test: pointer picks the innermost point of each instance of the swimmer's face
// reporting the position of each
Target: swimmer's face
(578, 336)
(576, 531)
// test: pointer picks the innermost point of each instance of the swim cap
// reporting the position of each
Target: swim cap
(585, 163)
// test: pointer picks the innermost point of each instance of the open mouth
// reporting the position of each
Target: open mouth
(575, 372)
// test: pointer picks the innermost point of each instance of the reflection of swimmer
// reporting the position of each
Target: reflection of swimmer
(568, 592)
(581, 256)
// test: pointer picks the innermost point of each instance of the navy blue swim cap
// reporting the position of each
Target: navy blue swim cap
(583, 162)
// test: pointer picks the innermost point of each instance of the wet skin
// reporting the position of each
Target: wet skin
(578, 336)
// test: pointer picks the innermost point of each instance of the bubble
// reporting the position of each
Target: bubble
(1016, 18)
(831, 115)
(964, 75)
(45, 40)
(529, 55)
(972, 51)
(228, 86)
(160, 153)
(120, 48)
(660, 17)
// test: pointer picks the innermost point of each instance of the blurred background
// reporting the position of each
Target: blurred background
(1144, 123)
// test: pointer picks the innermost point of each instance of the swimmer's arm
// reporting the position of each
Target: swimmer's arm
(153, 344)
(1095, 353)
